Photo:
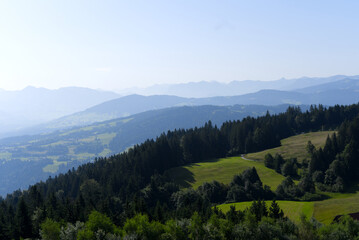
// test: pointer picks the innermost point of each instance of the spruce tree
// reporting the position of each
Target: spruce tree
(23, 220)
(275, 211)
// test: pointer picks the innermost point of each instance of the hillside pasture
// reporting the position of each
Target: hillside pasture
(292, 209)
(295, 147)
(222, 170)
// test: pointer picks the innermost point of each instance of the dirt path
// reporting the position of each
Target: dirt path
(243, 156)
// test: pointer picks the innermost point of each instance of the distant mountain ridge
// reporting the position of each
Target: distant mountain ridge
(33, 105)
(205, 89)
(344, 84)
(342, 92)
(23, 111)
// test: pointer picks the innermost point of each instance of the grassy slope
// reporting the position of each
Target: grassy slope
(291, 209)
(324, 211)
(338, 204)
(223, 171)
(294, 146)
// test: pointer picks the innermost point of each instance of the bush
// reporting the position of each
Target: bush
(311, 197)
(50, 230)
(99, 221)
(269, 160)
(318, 177)
(289, 168)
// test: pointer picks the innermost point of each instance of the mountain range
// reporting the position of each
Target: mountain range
(339, 92)
(205, 89)
(344, 91)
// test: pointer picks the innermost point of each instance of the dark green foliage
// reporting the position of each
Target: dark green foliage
(278, 162)
(23, 220)
(318, 177)
(259, 209)
(289, 168)
(306, 184)
(252, 225)
(215, 192)
(275, 211)
(288, 190)
(247, 186)
(99, 221)
(338, 160)
(50, 230)
(269, 160)
(310, 148)
(234, 216)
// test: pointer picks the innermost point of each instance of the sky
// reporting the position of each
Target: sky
(113, 45)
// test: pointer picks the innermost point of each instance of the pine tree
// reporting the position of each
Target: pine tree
(23, 221)
(275, 211)
(269, 160)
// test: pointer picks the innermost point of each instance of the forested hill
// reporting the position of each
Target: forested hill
(344, 91)
(26, 160)
(133, 181)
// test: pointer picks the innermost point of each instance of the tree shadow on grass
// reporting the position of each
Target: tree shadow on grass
(353, 188)
(204, 161)
(182, 176)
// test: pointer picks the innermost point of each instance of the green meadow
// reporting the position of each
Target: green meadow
(292, 209)
(222, 170)
(294, 147)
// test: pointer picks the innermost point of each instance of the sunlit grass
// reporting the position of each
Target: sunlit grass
(222, 170)
(295, 147)
(292, 209)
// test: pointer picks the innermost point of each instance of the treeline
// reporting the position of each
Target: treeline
(335, 167)
(132, 182)
(256, 222)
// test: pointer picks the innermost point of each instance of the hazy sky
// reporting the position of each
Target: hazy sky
(120, 44)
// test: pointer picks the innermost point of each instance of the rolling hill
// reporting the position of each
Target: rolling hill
(28, 110)
(294, 147)
(341, 92)
(224, 169)
(327, 91)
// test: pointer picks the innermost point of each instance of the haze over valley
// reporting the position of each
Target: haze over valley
(179, 120)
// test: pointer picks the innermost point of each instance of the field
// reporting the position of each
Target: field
(291, 209)
(294, 147)
(325, 211)
(222, 170)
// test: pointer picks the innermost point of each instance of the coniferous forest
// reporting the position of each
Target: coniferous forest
(130, 196)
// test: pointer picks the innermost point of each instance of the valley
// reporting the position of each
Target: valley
(186, 172)
(57, 152)
(179, 120)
